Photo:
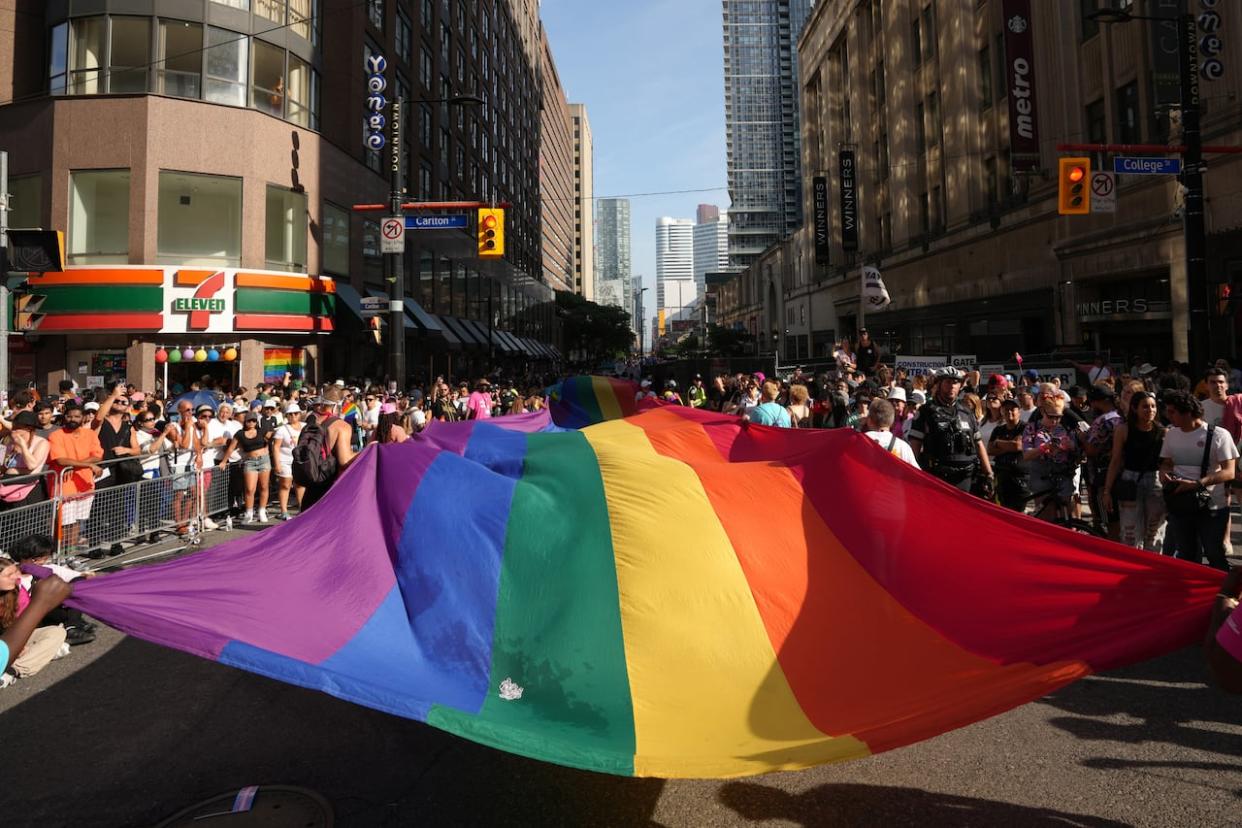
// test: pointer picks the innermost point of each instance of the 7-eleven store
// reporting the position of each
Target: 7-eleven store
(236, 327)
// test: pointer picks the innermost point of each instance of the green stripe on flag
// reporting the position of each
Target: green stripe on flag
(302, 303)
(101, 299)
(568, 655)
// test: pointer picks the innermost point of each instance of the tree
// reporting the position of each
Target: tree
(729, 342)
(595, 331)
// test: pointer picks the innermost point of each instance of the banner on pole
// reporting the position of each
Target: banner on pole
(1020, 77)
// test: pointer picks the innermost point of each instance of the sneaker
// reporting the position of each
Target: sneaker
(263, 516)
(285, 516)
(248, 519)
(7, 680)
(210, 524)
(76, 635)
(62, 652)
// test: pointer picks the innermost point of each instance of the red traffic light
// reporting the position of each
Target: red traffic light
(1077, 174)
(489, 222)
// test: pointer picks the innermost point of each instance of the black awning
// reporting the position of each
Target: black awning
(478, 329)
(514, 346)
(349, 298)
(466, 335)
(422, 319)
(450, 338)
(505, 345)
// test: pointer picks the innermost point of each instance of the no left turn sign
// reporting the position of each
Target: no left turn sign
(1103, 192)
(392, 235)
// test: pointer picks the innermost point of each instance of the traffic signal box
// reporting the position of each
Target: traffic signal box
(491, 233)
(1074, 186)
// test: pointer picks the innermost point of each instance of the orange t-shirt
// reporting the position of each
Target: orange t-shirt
(80, 444)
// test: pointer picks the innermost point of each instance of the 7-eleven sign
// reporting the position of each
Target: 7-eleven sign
(200, 302)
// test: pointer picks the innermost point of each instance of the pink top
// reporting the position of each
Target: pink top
(23, 598)
(479, 405)
(1229, 637)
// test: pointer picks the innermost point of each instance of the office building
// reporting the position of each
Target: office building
(584, 202)
(761, 122)
(556, 177)
(612, 244)
(186, 138)
(674, 264)
(711, 244)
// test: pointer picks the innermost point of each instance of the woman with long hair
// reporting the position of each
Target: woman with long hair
(44, 644)
(284, 441)
(1197, 463)
(252, 442)
(993, 415)
(392, 428)
(972, 402)
(1131, 479)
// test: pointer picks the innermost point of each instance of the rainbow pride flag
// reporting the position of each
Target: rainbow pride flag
(581, 401)
(673, 593)
(349, 412)
(276, 361)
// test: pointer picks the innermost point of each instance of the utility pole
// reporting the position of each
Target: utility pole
(1198, 332)
(394, 263)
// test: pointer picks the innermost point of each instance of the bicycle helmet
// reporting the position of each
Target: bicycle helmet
(948, 372)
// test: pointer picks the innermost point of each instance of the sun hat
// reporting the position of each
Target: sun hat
(897, 393)
(293, 408)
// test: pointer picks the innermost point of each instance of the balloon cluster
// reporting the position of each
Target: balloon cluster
(215, 353)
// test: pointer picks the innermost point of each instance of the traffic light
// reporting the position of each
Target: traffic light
(26, 310)
(491, 233)
(1074, 186)
(377, 332)
(36, 251)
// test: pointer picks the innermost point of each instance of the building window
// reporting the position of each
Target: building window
(375, 13)
(403, 37)
(372, 259)
(267, 93)
(228, 67)
(244, 5)
(301, 102)
(424, 125)
(1129, 130)
(179, 68)
(989, 175)
(929, 33)
(273, 10)
(86, 55)
(920, 129)
(26, 204)
(130, 55)
(916, 42)
(1090, 28)
(58, 59)
(200, 220)
(99, 217)
(286, 229)
(985, 77)
(424, 66)
(1096, 131)
(301, 16)
(335, 240)
(424, 181)
(924, 214)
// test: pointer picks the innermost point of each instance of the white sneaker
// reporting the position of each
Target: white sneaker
(285, 516)
(7, 680)
(62, 652)
(263, 516)
(248, 519)
(210, 524)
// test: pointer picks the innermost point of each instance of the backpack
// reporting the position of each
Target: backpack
(313, 463)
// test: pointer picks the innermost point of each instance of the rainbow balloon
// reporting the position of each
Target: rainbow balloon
(673, 593)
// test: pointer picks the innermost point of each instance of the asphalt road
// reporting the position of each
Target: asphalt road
(124, 733)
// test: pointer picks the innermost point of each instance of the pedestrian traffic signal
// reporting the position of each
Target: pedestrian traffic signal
(377, 332)
(26, 310)
(36, 251)
(491, 233)
(1074, 186)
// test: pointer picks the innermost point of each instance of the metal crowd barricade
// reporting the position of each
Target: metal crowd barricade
(33, 519)
(217, 489)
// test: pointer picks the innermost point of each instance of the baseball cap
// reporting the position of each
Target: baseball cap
(998, 379)
(270, 402)
(339, 383)
(91, 406)
(1099, 392)
(204, 407)
(26, 419)
(1031, 372)
(293, 408)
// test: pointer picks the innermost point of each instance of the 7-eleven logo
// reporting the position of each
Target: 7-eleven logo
(201, 306)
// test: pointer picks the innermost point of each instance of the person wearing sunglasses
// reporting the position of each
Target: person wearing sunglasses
(252, 442)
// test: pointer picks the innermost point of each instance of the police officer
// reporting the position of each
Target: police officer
(696, 394)
(945, 436)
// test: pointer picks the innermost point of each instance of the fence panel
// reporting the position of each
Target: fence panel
(36, 519)
(111, 515)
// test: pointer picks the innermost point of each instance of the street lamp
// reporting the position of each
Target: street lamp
(394, 266)
(1198, 332)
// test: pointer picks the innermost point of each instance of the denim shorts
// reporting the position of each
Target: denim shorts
(258, 464)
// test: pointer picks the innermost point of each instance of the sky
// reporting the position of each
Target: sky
(651, 73)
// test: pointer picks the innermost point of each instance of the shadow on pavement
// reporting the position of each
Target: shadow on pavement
(144, 731)
(1159, 701)
(861, 805)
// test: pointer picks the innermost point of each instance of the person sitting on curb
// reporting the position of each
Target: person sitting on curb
(27, 647)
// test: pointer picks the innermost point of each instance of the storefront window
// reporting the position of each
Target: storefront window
(130, 55)
(199, 220)
(227, 67)
(86, 55)
(26, 204)
(180, 61)
(268, 92)
(286, 229)
(99, 217)
(335, 240)
(58, 59)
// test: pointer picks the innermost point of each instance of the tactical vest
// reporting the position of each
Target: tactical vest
(949, 438)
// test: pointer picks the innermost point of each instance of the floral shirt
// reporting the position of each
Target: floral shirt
(1059, 443)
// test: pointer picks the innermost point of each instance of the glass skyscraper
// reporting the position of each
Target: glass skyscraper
(761, 122)
(612, 247)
